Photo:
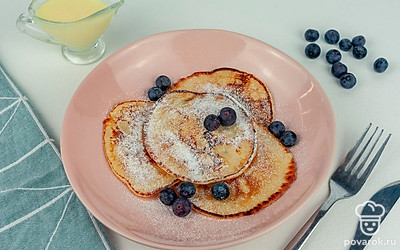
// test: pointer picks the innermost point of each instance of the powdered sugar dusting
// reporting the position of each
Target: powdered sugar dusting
(233, 92)
(188, 156)
(144, 176)
(176, 126)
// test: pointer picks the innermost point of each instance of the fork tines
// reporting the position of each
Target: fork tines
(355, 171)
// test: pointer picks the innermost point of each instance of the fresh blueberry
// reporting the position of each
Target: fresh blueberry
(212, 122)
(380, 65)
(332, 36)
(312, 50)
(181, 207)
(163, 82)
(338, 69)
(220, 191)
(227, 116)
(288, 138)
(187, 189)
(333, 56)
(345, 44)
(155, 93)
(348, 80)
(359, 52)
(276, 128)
(358, 41)
(167, 196)
(311, 35)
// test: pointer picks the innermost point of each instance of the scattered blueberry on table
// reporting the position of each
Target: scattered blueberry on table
(345, 44)
(380, 65)
(312, 50)
(333, 56)
(332, 36)
(338, 69)
(358, 40)
(348, 80)
(359, 52)
(311, 35)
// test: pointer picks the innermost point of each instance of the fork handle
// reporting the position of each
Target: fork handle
(305, 232)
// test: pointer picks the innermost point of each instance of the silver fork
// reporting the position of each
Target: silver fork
(345, 182)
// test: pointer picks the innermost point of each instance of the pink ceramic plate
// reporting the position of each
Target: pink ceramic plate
(299, 101)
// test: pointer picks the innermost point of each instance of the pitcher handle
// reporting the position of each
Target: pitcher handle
(26, 25)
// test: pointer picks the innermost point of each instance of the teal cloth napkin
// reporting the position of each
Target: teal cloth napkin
(38, 208)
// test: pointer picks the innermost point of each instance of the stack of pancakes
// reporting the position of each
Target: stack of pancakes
(154, 145)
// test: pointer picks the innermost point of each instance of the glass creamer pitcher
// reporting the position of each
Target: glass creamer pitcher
(77, 25)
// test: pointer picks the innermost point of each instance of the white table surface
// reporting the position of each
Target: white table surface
(49, 82)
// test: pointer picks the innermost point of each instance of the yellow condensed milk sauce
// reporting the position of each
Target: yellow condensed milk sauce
(69, 10)
(72, 22)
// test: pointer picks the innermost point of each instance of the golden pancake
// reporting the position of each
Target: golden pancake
(176, 139)
(123, 146)
(249, 91)
(268, 177)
